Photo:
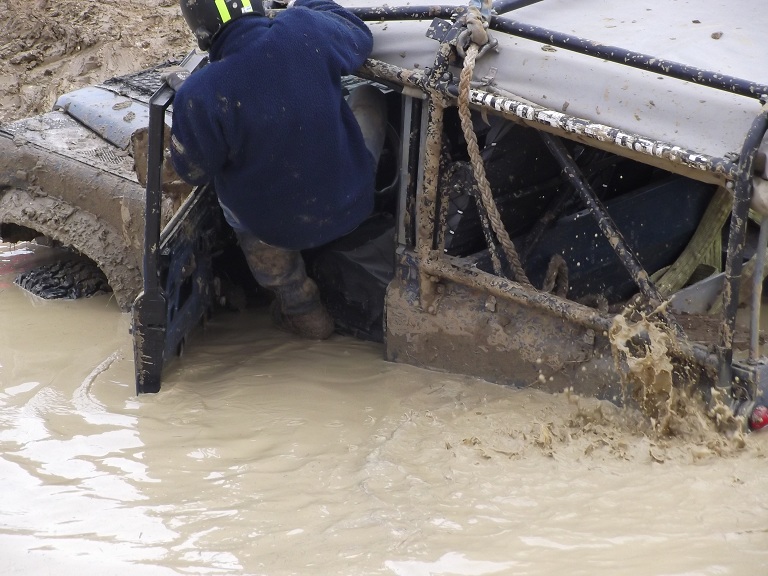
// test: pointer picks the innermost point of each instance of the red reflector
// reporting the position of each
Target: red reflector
(759, 418)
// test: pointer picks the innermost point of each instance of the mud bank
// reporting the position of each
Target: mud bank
(51, 47)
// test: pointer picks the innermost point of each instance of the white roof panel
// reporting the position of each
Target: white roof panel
(712, 35)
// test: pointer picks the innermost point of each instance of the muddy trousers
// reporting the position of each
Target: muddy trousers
(281, 272)
(297, 307)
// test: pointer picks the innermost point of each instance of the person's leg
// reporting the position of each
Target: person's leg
(297, 307)
(369, 107)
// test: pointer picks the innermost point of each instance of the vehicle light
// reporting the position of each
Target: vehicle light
(759, 418)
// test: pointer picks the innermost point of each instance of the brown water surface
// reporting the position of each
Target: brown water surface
(264, 454)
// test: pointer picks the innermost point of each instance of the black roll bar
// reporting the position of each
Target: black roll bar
(742, 196)
(149, 310)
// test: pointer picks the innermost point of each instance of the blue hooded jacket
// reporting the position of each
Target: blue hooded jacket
(266, 121)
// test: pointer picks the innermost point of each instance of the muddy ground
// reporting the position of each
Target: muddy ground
(50, 47)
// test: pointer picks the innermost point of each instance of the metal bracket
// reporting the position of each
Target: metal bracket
(490, 78)
(750, 383)
(444, 31)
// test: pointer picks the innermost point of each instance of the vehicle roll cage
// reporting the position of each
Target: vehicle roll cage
(441, 90)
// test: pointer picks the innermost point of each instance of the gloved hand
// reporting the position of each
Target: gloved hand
(174, 76)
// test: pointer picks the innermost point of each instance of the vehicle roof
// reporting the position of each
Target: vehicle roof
(707, 34)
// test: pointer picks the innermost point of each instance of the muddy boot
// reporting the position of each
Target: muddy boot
(297, 307)
(315, 324)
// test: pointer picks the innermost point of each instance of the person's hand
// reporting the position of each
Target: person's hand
(174, 76)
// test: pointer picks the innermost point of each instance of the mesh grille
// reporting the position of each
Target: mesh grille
(107, 155)
(146, 82)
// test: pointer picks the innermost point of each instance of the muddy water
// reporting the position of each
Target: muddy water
(268, 455)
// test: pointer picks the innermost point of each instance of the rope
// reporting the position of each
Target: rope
(476, 160)
(556, 278)
(708, 235)
(557, 272)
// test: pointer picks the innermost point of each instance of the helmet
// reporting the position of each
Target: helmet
(206, 18)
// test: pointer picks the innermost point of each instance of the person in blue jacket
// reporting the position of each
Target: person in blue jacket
(267, 121)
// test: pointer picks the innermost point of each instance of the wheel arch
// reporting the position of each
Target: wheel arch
(82, 231)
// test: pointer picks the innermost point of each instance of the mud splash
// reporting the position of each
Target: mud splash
(668, 393)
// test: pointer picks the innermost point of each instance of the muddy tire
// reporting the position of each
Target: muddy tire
(67, 279)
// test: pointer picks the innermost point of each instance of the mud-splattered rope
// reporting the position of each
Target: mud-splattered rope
(479, 169)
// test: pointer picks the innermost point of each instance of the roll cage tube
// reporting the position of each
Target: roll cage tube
(573, 43)
(742, 196)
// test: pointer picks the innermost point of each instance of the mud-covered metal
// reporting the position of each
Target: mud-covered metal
(427, 199)
(150, 308)
(742, 197)
(707, 36)
(385, 12)
(437, 273)
(604, 220)
(454, 310)
(112, 116)
(504, 6)
(60, 180)
(674, 156)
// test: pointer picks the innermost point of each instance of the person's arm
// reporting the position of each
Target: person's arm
(198, 149)
(348, 34)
